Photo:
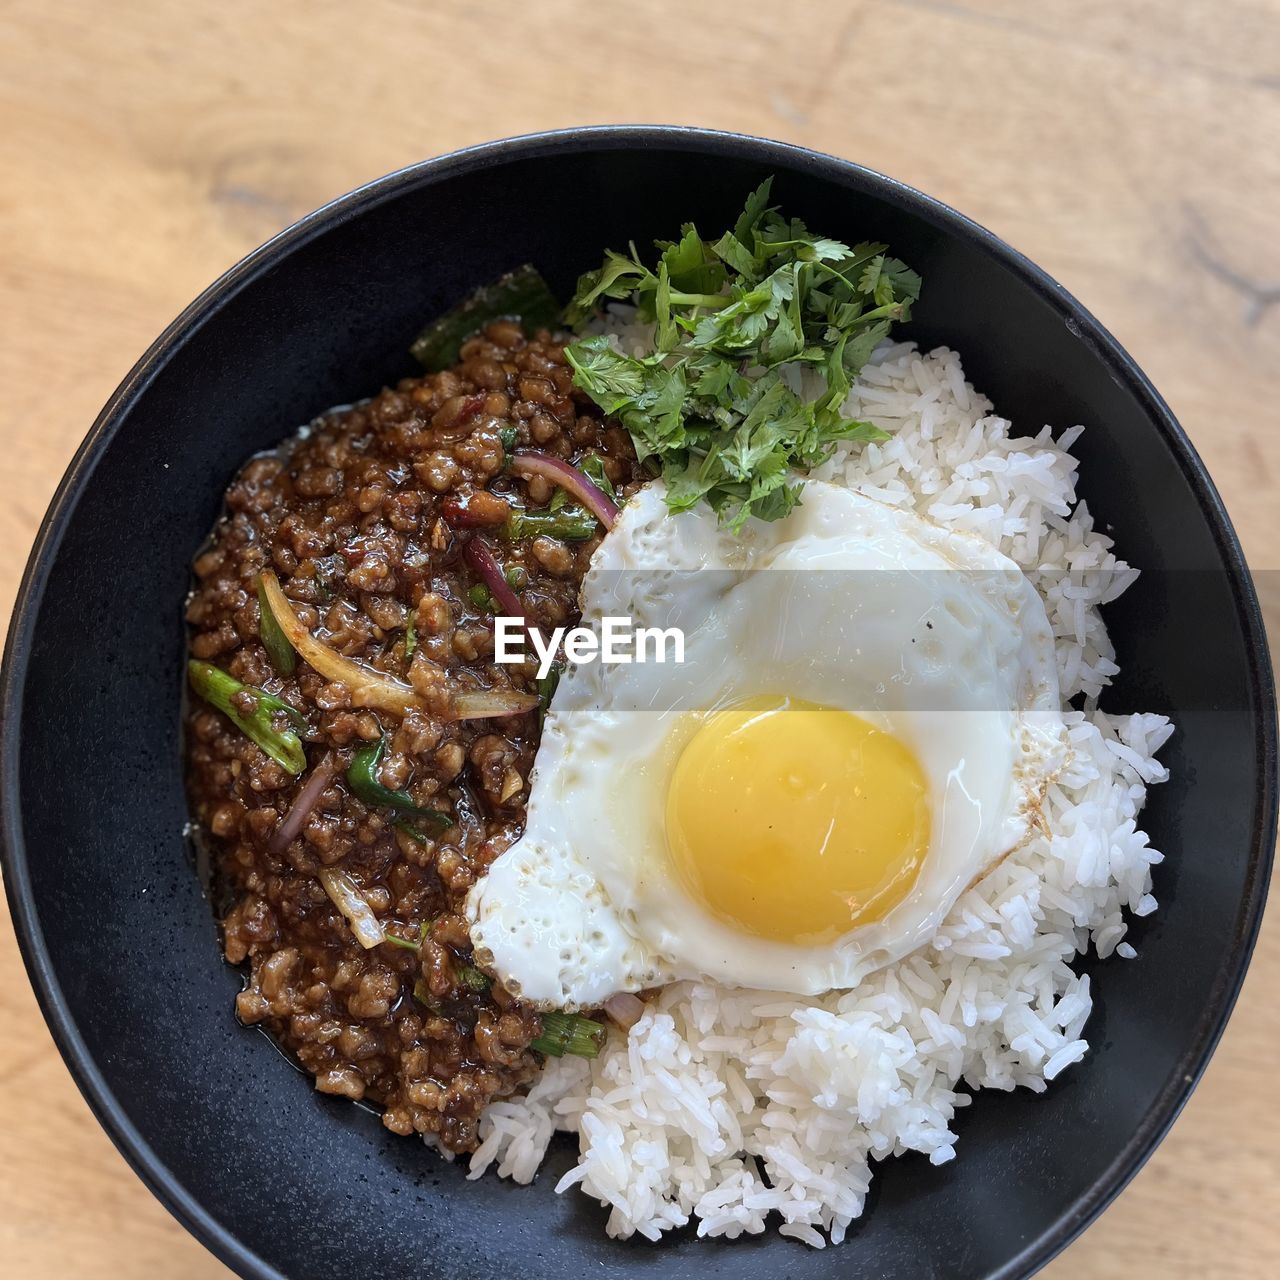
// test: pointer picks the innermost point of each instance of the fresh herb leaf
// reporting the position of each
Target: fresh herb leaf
(612, 380)
(546, 687)
(736, 255)
(717, 403)
(592, 466)
(757, 203)
(569, 522)
(616, 279)
(888, 281)
(691, 267)
(474, 979)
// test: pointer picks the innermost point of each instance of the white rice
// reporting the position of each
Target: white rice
(746, 1109)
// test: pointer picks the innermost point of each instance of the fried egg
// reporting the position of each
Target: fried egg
(866, 719)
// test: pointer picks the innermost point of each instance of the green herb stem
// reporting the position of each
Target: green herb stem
(715, 300)
(217, 688)
(403, 943)
(571, 523)
(282, 654)
(571, 1033)
(362, 777)
(406, 944)
(521, 295)
(419, 834)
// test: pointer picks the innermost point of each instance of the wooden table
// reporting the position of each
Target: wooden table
(1128, 146)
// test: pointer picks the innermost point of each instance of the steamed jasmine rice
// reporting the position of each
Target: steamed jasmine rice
(743, 1110)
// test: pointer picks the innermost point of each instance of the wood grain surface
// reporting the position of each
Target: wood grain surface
(1128, 146)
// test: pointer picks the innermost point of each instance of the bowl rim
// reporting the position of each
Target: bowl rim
(107, 1108)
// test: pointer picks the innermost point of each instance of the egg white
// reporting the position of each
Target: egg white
(850, 603)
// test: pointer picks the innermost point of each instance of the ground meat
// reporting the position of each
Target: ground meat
(364, 520)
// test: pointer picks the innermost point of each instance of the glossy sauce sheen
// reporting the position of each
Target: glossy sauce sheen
(352, 518)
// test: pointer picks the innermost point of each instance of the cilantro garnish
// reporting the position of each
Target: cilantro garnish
(722, 404)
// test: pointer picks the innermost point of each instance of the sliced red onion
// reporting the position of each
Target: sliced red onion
(624, 1009)
(480, 558)
(358, 913)
(569, 478)
(492, 704)
(484, 704)
(290, 826)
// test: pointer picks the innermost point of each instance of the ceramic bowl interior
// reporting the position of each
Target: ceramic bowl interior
(280, 1181)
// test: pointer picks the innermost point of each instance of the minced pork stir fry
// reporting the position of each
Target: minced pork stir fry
(394, 529)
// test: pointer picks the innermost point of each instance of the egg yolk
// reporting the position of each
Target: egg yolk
(795, 822)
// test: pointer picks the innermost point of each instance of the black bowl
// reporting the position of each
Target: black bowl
(120, 943)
